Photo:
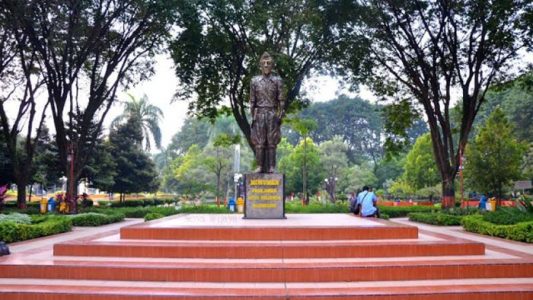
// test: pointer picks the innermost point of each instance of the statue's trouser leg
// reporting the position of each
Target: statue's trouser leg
(271, 160)
(274, 137)
(260, 158)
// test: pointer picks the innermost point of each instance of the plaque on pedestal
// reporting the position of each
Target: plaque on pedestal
(264, 196)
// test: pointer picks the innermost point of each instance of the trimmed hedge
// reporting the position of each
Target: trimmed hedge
(295, 207)
(13, 232)
(16, 218)
(138, 202)
(440, 219)
(153, 216)
(96, 219)
(135, 212)
(522, 232)
(403, 211)
(203, 209)
(507, 216)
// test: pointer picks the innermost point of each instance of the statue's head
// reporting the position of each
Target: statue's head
(266, 63)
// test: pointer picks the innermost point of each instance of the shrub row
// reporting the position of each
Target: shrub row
(14, 232)
(203, 209)
(137, 203)
(96, 219)
(507, 216)
(135, 212)
(153, 216)
(16, 218)
(438, 218)
(295, 207)
(518, 232)
(403, 211)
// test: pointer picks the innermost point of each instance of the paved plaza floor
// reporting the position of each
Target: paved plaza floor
(106, 263)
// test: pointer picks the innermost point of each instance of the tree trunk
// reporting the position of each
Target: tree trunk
(304, 173)
(448, 193)
(31, 190)
(21, 192)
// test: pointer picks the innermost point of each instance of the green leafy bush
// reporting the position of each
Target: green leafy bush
(135, 212)
(438, 218)
(148, 202)
(518, 232)
(461, 211)
(96, 219)
(203, 209)
(153, 216)
(128, 203)
(507, 216)
(16, 218)
(403, 211)
(316, 207)
(13, 232)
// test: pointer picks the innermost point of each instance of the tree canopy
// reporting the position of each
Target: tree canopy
(495, 156)
(420, 51)
(217, 52)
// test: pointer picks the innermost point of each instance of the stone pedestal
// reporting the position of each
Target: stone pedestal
(264, 196)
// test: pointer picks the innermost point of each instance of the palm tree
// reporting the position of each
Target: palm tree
(149, 114)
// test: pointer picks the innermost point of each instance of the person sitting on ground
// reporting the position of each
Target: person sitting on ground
(367, 200)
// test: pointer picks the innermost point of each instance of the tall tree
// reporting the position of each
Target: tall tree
(420, 169)
(47, 169)
(423, 51)
(515, 100)
(494, 158)
(334, 160)
(219, 162)
(304, 127)
(194, 131)
(87, 49)
(135, 170)
(356, 121)
(192, 176)
(20, 82)
(150, 116)
(292, 166)
(218, 50)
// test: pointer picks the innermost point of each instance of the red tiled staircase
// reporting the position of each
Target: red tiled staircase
(336, 256)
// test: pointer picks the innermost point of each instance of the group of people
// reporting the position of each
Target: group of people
(365, 203)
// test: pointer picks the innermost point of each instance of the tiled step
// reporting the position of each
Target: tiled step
(520, 288)
(307, 270)
(272, 249)
(270, 233)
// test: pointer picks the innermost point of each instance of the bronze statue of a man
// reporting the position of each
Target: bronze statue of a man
(267, 108)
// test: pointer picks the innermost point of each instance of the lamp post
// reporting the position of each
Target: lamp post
(71, 197)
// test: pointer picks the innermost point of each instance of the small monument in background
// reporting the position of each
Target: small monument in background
(265, 189)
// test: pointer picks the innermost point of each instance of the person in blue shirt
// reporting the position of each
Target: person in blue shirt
(483, 202)
(367, 200)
